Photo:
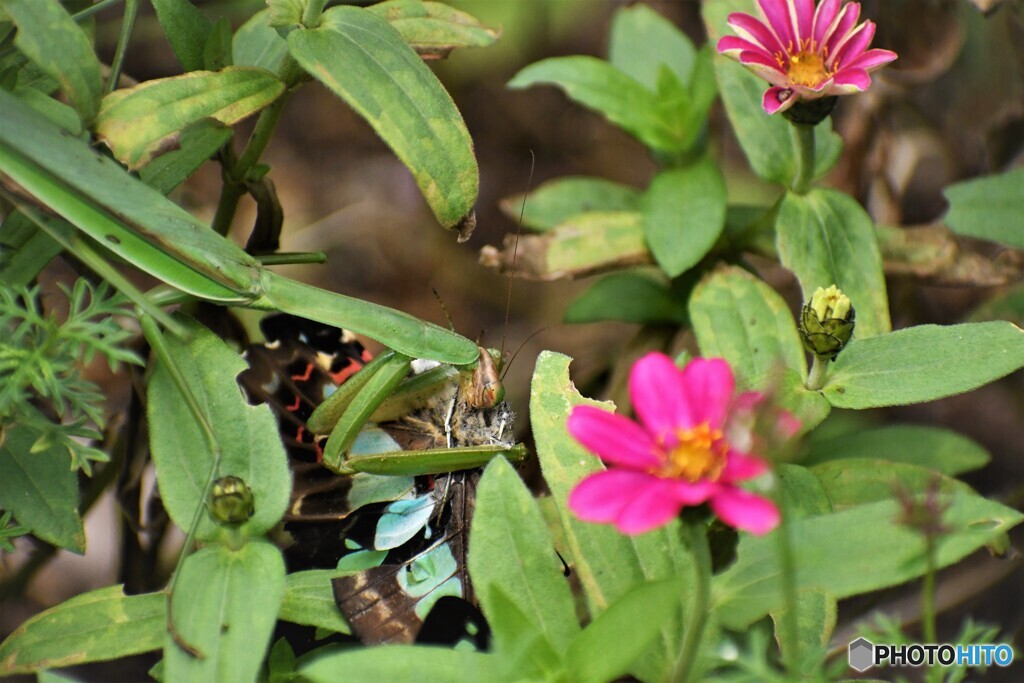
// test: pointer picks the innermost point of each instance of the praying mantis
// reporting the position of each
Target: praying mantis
(106, 214)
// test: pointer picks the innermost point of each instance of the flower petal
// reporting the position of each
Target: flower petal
(740, 467)
(653, 506)
(777, 15)
(836, 33)
(803, 17)
(764, 66)
(656, 390)
(852, 80)
(872, 59)
(693, 493)
(708, 385)
(823, 18)
(854, 46)
(601, 496)
(750, 28)
(613, 438)
(744, 510)
(733, 45)
(777, 99)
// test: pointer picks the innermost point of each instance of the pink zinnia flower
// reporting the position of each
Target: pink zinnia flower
(679, 454)
(805, 52)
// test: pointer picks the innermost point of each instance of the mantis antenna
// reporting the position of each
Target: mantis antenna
(515, 251)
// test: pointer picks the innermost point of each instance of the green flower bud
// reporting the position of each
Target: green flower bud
(826, 322)
(231, 501)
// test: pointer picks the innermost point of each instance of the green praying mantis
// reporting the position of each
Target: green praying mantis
(462, 404)
(106, 215)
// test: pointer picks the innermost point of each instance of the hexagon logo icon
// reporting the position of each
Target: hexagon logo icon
(862, 654)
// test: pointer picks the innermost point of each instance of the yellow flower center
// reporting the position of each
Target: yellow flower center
(806, 67)
(698, 454)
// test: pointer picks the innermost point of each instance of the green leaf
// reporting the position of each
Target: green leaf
(285, 14)
(420, 663)
(923, 363)
(225, 605)
(125, 215)
(634, 296)
(40, 488)
(611, 644)
(737, 317)
(803, 495)
(556, 201)
(825, 237)
(607, 564)
(49, 37)
(939, 449)
(434, 29)
(309, 600)
(62, 114)
(94, 627)
(196, 144)
(686, 108)
(989, 208)
(815, 622)
(364, 61)
(217, 51)
(642, 41)
(855, 551)
(256, 43)
(187, 30)
(247, 435)
(24, 250)
(508, 523)
(767, 140)
(860, 481)
(525, 652)
(683, 214)
(598, 85)
(590, 242)
(142, 122)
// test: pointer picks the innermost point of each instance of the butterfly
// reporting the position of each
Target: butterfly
(403, 538)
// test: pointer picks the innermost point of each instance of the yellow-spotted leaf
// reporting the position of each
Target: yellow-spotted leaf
(146, 121)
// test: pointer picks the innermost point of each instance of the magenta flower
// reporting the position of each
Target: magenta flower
(679, 454)
(805, 52)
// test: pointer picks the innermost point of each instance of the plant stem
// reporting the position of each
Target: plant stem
(787, 569)
(163, 354)
(93, 9)
(816, 378)
(131, 11)
(928, 606)
(311, 15)
(698, 543)
(803, 140)
(236, 171)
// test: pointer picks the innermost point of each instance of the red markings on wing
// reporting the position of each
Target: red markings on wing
(305, 376)
(347, 371)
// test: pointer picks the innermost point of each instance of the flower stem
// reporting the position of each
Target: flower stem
(697, 618)
(803, 140)
(131, 11)
(236, 170)
(787, 569)
(928, 606)
(816, 378)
